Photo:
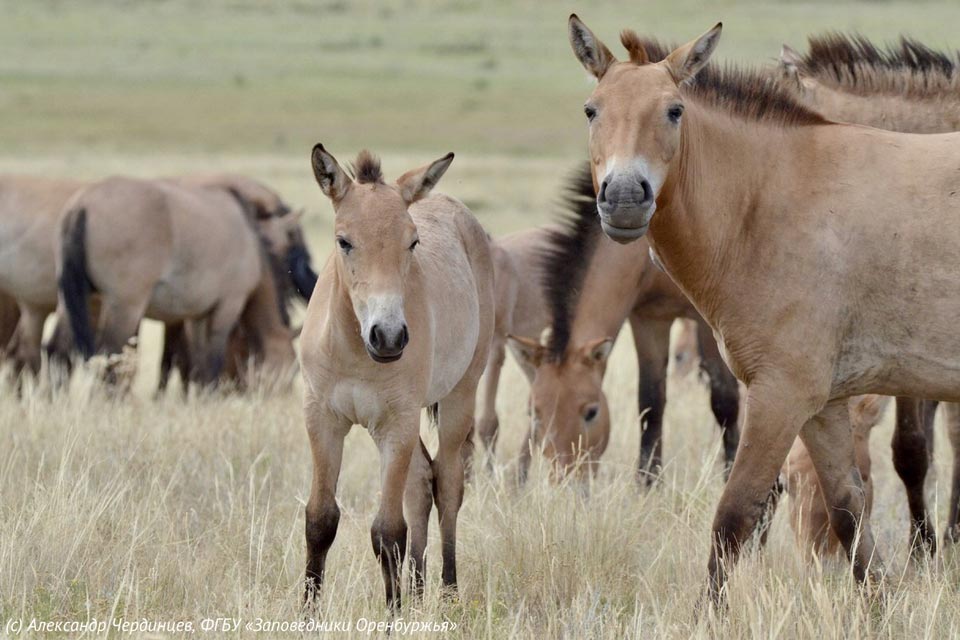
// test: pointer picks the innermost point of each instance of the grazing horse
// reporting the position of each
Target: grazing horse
(912, 89)
(401, 318)
(29, 210)
(520, 310)
(171, 251)
(593, 286)
(809, 512)
(822, 254)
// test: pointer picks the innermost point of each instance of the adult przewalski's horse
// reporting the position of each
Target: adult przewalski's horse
(401, 319)
(593, 285)
(172, 252)
(909, 88)
(823, 255)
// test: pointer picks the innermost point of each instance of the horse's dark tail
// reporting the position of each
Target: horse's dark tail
(74, 281)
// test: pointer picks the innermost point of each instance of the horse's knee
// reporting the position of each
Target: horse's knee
(389, 540)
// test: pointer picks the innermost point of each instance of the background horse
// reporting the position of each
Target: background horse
(593, 285)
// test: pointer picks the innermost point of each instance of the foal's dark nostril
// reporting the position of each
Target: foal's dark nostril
(404, 337)
(647, 191)
(602, 196)
(376, 339)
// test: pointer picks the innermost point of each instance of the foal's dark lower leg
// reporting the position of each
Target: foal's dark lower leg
(321, 529)
(390, 546)
(911, 460)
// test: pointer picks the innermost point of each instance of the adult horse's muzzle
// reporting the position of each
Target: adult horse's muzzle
(626, 204)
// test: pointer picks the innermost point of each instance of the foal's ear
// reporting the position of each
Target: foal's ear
(592, 54)
(417, 184)
(684, 62)
(597, 351)
(528, 349)
(333, 181)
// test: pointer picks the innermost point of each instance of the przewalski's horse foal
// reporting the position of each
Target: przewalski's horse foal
(912, 89)
(520, 310)
(401, 319)
(822, 254)
(809, 512)
(171, 252)
(593, 286)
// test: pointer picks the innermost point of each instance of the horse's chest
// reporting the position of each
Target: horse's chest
(358, 401)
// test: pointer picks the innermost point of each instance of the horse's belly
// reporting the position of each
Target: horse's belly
(456, 330)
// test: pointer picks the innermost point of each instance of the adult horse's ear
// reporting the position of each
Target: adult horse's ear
(789, 63)
(597, 351)
(684, 62)
(417, 184)
(333, 181)
(592, 54)
(527, 349)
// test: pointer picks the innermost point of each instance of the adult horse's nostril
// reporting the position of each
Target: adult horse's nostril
(602, 195)
(647, 192)
(376, 337)
(404, 337)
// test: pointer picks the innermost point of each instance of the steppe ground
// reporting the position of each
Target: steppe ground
(169, 509)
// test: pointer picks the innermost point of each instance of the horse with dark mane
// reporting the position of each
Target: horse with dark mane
(823, 255)
(593, 285)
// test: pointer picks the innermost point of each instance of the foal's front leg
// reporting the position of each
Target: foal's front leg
(396, 440)
(456, 421)
(652, 341)
(829, 439)
(326, 432)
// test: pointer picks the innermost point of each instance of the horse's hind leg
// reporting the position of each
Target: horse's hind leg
(911, 460)
(417, 504)
(724, 393)
(488, 425)
(176, 354)
(829, 439)
(214, 347)
(952, 415)
(326, 432)
(652, 341)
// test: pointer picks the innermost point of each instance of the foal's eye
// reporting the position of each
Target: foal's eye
(674, 113)
(413, 245)
(590, 112)
(344, 245)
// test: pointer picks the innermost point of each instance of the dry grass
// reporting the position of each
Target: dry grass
(169, 509)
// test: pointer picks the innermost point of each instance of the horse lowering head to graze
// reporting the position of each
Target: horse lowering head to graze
(401, 319)
(823, 255)
(170, 251)
(592, 286)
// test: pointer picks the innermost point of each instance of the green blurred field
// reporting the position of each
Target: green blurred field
(176, 509)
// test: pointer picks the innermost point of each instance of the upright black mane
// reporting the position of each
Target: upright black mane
(366, 168)
(743, 91)
(851, 61)
(567, 257)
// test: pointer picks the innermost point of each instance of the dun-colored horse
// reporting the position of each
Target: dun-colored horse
(172, 251)
(401, 318)
(593, 286)
(520, 310)
(822, 254)
(912, 89)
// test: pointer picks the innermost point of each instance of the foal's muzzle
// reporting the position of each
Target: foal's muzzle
(386, 344)
(625, 202)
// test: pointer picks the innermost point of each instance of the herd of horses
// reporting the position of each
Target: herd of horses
(800, 218)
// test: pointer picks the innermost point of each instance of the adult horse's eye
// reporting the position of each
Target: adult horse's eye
(590, 112)
(413, 245)
(344, 245)
(674, 113)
